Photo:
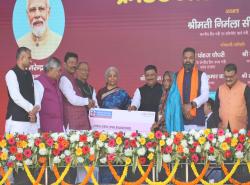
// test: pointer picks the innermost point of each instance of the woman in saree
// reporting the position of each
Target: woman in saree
(111, 96)
(170, 108)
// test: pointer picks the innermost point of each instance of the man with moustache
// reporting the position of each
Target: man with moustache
(74, 110)
(194, 90)
(232, 102)
(147, 97)
(41, 40)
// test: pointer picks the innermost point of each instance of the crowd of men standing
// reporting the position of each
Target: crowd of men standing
(59, 99)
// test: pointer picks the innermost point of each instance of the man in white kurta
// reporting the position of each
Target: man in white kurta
(21, 113)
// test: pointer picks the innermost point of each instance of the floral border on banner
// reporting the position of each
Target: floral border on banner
(93, 148)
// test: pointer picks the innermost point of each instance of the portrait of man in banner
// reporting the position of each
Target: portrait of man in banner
(46, 22)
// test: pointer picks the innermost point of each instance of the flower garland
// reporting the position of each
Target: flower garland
(64, 173)
(160, 183)
(222, 181)
(2, 174)
(232, 180)
(124, 174)
(31, 178)
(208, 145)
(89, 173)
(57, 175)
(92, 175)
(193, 182)
(85, 180)
(5, 176)
(138, 182)
(125, 171)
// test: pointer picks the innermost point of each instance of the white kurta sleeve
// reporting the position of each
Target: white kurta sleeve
(136, 101)
(200, 100)
(39, 91)
(94, 98)
(14, 91)
(68, 91)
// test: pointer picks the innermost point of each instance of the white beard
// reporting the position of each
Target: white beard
(38, 31)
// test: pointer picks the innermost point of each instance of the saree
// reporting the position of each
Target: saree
(116, 98)
(173, 109)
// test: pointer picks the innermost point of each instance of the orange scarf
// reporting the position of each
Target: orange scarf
(193, 89)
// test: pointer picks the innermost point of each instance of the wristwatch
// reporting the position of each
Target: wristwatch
(193, 104)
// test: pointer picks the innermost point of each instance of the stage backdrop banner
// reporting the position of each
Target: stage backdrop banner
(130, 35)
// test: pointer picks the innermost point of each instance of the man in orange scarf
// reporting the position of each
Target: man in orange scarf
(194, 91)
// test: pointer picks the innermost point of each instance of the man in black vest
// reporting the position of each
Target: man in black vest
(147, 97)
(21, 111)
(87, 90)
(82, 75)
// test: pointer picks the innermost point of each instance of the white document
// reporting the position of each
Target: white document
(121, 120)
